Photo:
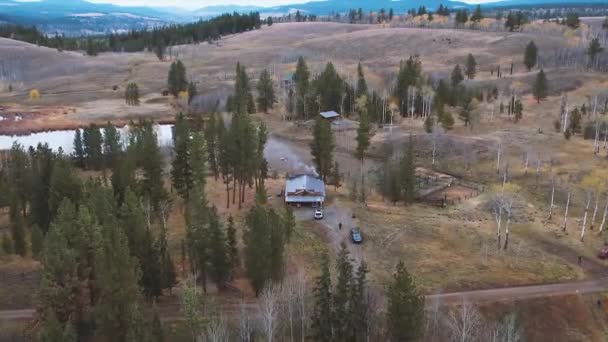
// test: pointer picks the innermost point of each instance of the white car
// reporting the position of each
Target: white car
(318, 214)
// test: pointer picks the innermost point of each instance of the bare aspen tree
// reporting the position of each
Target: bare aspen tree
(507, 330)
(246, 328)
(596, 142)
(290, 300)
(217, 328)
(604, 217)
(508, 208)
(551, 206)
(538, 165)
(605, 136)
(465, 323)
(433, 319)
(497, 208)
(301, 285)
(526, 162)
(585, 215)
(597, 201)
(498, 153)
(269, 310)
(566, 211)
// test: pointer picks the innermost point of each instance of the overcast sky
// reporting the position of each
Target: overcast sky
(193, 4)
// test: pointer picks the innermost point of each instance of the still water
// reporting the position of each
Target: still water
(65, 138)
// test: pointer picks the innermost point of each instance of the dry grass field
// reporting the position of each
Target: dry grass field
(447, 249)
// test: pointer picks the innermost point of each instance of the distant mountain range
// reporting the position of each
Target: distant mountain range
(79, 16)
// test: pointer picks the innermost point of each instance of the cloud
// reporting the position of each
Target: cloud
(198, 4)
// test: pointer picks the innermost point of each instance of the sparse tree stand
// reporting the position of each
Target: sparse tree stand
(132, 94)
(594, 50)
(540, 86)
(530, 55)
(176, 81)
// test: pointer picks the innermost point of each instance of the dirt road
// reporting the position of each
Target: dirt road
(476, 297)
(522, 292)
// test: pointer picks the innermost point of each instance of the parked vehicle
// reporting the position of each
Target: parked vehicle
(318, 214)
(355, 236)
(603, 254)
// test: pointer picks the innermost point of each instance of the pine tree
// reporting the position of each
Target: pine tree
(518, 109)
(477, 16)
(231, 241)
(359, 304)
(405, 307)
(322, 148)
(37, 241)
(93, 149)
(152, 183)
(363, 131)
(192, 92)
(63, 184)
(467, 110)
(78, 149)
(429, 123)
(322, 316)
(530, 55)
(594, 50)
(117, 313)
(540, 86)
(456, 75)
(266, 96)
(471, 67)
(302, 81)
(111, 144)
(181, 171)
(7, 244)
(257, 247)
(18, 235)
(176, 81)
(342, 293)
(361, 83)
(218, 255)
(289, 222)
(329, 88)
(167, 269)
(212, 144)
(132, 94)
(336, 176)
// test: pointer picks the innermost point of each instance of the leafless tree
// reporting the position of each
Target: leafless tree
(604, 217)
(246, 326)
(588, 193)
(551, 206)
(301, 292)
(507, 330)
(566, 211)
(498, 154)
(497, 208)
(508, 209)
(269, 306)
(465, 323)
(216, 329)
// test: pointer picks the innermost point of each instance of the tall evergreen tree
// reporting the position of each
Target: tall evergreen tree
(78, 149)
(111, 144)
(302, 81)
(361, 83)
(266, 96)
(594, 49)
(176, 80)
(218, 254)
(322, 316)
(231, 241)
(363, 131)
(477, 15)
(342, 293)
(93, 147)
(540, 86)
(471, 67)
(322, 148)
(405, 307)
(329, 88)
(181, 171)
(117, 313)
(152, 183)
(192, 92)
(18, 234)
(37, 241)
(456, 75)
(530, 55)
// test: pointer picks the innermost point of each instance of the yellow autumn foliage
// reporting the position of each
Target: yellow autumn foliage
(34, 95)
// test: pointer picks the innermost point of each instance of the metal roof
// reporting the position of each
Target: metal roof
(304, 188)
(329, 115)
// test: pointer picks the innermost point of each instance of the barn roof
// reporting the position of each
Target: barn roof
(329, 115)
(304, 188)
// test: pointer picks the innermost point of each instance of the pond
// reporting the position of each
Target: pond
(65, 138)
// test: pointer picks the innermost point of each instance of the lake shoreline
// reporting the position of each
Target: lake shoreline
(25, 130)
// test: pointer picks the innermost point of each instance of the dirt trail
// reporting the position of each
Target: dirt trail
(171, 312)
